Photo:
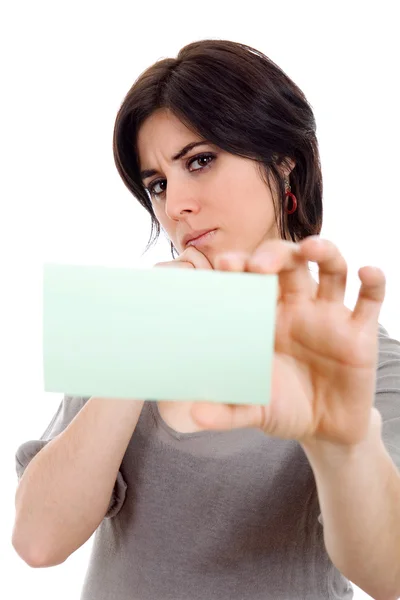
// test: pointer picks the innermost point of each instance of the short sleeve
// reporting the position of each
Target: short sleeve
(66, 412)
(387, 394)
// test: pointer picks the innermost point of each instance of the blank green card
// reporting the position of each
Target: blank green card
(159, 333)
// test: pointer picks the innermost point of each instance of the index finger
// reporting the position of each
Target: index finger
(197, 258)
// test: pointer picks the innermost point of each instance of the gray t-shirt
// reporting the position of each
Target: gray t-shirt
(217, 515)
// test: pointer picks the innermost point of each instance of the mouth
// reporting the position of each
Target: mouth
(202, 239)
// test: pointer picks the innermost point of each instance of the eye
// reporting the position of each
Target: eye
(151, 188)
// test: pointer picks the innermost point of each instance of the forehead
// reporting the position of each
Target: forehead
(162, 131)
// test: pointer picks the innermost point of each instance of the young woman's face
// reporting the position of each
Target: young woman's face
(215, 191)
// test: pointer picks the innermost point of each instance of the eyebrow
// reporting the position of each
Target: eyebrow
(149, 172)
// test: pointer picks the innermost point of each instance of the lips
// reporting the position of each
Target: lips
(194, 235)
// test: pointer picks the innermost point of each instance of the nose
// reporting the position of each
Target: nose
(181, 197)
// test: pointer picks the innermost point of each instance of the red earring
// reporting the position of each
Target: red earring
(294, 202)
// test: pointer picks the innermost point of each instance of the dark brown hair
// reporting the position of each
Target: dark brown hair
(237, 98)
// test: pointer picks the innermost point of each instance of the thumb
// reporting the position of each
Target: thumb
(211, 415)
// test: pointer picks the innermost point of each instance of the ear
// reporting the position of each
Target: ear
(285, 165)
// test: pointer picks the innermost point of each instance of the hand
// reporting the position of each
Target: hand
(325, 355)
(191, 258)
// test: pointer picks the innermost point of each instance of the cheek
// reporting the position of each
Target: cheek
(166, 224)
(160, 215)
(250, 209)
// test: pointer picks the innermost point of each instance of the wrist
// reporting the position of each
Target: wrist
(326, 451)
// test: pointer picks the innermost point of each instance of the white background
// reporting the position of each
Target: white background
(66, 67)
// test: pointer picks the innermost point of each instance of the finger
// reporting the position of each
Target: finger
(175, 264)
(284, 259)
(197, 258)
(370, 297)
(226, 416)
(191, 258)
(332, 267)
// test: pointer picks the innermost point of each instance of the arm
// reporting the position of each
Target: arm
(65, 491)
(359, 495)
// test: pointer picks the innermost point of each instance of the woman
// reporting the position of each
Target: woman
(205, 501)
